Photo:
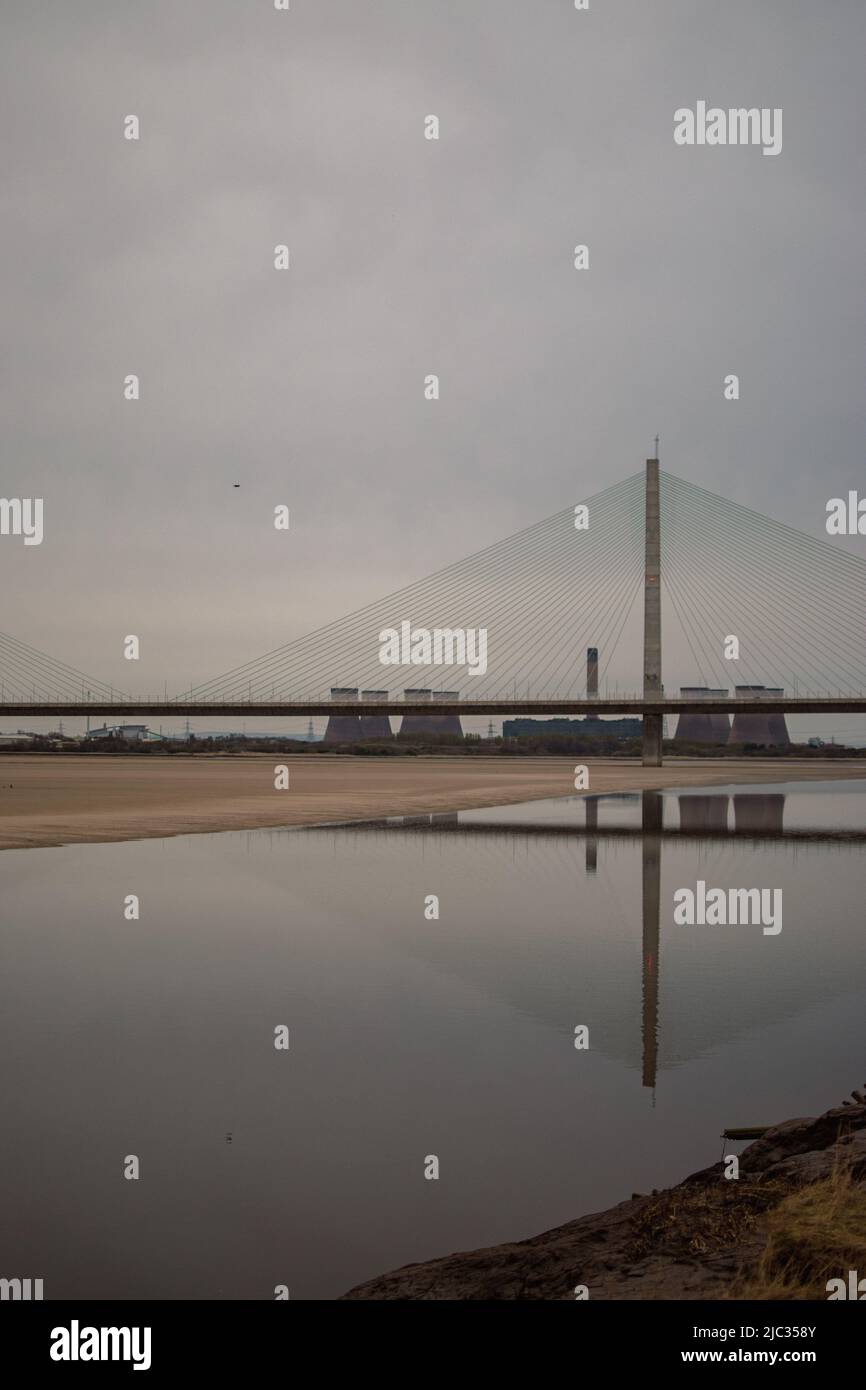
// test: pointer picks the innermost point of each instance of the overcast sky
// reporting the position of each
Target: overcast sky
(408, 257)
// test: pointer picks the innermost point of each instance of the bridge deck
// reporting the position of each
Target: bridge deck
(621, 705)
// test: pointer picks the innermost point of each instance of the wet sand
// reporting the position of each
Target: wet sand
(60, 800)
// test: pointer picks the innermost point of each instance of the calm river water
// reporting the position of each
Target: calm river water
(409, 1037)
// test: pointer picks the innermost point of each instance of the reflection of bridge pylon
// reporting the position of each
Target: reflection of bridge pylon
(759, 812)
(652, 813)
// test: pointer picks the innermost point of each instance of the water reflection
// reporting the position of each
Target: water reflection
(750, 818)
(409, 1036)
(701, 813)
(652, 814)
(760, 815)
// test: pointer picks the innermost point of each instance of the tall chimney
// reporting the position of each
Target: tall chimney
(592, 673)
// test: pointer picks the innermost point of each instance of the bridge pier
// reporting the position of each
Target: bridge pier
(652, 740)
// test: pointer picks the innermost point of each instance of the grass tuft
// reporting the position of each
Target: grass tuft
(816, 1234)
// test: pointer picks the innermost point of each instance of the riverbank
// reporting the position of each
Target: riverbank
(57, 800)
(791, 1222)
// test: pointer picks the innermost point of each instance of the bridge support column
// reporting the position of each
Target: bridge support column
(652, 740)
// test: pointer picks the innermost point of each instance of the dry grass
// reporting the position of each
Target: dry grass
(809, 1234)
(691, 1221)
(816, 1234)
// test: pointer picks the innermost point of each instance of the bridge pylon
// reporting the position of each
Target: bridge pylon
(652, 618)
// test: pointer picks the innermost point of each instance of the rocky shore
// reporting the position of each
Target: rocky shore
(793, 1219)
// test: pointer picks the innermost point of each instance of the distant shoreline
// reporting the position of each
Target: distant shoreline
(50, 800)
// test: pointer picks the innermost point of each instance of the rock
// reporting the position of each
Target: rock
(688, 1242)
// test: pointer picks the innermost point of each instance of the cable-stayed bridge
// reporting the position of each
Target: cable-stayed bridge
(650, 555)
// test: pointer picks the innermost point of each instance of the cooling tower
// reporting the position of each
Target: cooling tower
(418, 723)
(699, 813)
(779, 736)
(702, 728)
(767, 729)
(343, 728)
(447, 723)
(376, 726)
(759, 811)
(591, 672)
(432, 723)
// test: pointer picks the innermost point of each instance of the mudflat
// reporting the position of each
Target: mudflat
(67, 799)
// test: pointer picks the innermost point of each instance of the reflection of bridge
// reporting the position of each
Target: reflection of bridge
(756, 820)
(792, 604)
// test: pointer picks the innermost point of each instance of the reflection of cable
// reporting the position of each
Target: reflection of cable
(611, 880)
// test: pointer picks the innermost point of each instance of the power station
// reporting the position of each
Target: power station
(763, 730)
(354, 728)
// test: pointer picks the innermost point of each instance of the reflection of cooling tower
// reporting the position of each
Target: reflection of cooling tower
(703, 813)
(768, 729)
(343, 728)
(375, 725)
(759, 811)
(591, 672)
(418, 723)
(447, 723)
(702, 728)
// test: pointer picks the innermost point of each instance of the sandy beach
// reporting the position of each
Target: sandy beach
(60, 800)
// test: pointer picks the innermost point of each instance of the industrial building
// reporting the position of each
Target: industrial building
(416, 723)
(591, 672)
(431, 723)
(589, 727)
(702, 728)
(377, 726)
(352, 728)
(768, 730)
(343, 728)
(447, 723)
(574, 728)
(133, 733)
